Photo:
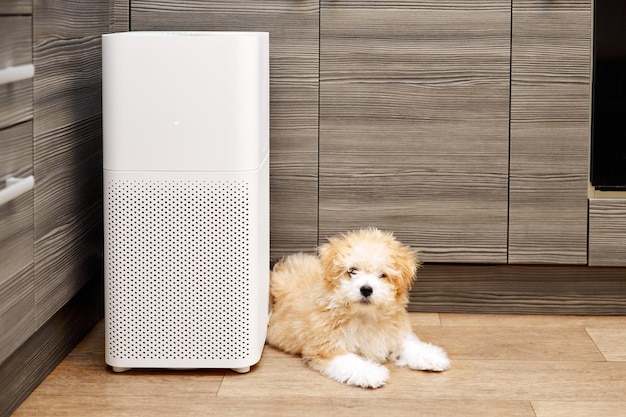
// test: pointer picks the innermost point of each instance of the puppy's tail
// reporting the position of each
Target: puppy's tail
(299, 270)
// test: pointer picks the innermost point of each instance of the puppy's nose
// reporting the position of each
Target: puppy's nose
(366, 291)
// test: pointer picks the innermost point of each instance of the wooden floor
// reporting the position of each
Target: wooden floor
(501, 366)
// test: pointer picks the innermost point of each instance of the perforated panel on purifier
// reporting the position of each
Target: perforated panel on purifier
(178, 268)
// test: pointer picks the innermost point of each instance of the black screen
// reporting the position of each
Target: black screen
(608, 136)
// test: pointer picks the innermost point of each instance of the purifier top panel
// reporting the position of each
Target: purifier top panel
(185, 101)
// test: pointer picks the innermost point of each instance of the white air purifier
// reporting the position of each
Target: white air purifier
(186, 198)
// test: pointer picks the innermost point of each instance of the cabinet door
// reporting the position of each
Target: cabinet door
(607, 232)
(17, 284)
(414, 111)
(294, 45)
(550, 99)
(17, 289)
(16, 45)
(67, 149)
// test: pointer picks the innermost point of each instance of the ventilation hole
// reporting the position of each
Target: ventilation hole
(178, 271)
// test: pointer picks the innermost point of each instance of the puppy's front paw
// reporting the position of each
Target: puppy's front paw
(355, 370)
(423, 356)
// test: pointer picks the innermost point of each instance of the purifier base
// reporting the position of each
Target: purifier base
(119, 369)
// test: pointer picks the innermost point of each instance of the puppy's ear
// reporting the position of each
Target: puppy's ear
(328, 256)
(406, 262)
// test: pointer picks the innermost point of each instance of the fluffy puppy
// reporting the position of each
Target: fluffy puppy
(344, 311)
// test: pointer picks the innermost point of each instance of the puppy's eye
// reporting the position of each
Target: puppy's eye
(382, 275)
(352, 271)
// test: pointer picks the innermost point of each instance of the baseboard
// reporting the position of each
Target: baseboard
(520, 289)
(24, 370)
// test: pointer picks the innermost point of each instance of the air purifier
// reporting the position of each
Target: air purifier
(186, 198)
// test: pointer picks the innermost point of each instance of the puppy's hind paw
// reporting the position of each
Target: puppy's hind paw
(355, 370)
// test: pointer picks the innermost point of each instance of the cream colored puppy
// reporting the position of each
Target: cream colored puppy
(345, 312)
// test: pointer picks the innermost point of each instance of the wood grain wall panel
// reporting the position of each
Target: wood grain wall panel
(17, 291)
(63, 20)
(414, 104)
(16, 144)
(119, 14)
(294, 47)
(68, 213)
(67, 148)
(520, 289)
(16, 7)
(16, 216)
(607, 232)
(16, 98)
(67, 84)
(17, 236)
(17, 308)
(16, 102)
(16, 41)
(550, 104)
(16, 44)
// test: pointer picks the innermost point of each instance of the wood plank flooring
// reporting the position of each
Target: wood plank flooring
(503, 365)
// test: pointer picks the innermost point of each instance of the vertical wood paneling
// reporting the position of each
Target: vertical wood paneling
(68, 214)
(16, 216)
(414, 124)
(16, 244)
(16, 7)
(17, 291)
(607, 232)
(16, 45)
(293, 28)
(520, 289)
(17, 309)
(550, 100)
(16, 156)
(16, 40)
(16, 102)
(67, 148)
(119, 15)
